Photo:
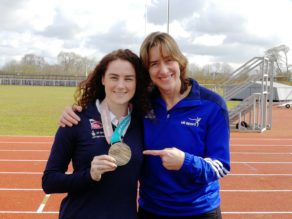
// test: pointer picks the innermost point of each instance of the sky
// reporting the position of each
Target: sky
(207, 31)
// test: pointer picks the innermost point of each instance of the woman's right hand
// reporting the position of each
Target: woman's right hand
(100, 165)
(69, 117)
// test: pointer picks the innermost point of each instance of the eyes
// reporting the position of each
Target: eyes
(153, 64)
(129, 78)
(166, 61)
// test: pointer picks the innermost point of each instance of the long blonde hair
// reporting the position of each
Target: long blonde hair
(166, 43)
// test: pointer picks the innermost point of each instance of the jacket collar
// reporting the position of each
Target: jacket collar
(192, 99)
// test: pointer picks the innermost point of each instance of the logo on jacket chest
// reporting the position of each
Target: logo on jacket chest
(96, 128)
(192, 122)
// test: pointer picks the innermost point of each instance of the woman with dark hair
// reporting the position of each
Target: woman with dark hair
(105, 147)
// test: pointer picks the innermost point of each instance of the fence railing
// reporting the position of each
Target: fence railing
(40, 80)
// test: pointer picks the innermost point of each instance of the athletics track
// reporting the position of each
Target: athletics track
(259, 185)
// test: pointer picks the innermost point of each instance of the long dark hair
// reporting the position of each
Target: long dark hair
(92, 88)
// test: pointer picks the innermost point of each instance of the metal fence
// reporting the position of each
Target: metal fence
(40, 80)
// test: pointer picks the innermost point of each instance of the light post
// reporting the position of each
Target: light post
(145, 18)
(167, 16)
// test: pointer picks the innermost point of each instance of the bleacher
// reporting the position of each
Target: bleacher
(254, 113)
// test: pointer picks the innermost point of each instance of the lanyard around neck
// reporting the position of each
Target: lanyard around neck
(110, 135)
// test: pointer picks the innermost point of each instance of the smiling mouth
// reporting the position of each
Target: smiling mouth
(166, 78)
(120, 93)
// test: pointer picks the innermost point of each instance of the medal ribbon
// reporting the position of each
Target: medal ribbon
(116, 136)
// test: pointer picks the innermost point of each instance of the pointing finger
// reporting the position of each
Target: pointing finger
(154, 152)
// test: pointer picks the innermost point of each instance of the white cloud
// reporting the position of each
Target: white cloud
(210, 40)
(207, 30)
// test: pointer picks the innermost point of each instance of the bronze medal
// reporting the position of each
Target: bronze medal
(121, 152)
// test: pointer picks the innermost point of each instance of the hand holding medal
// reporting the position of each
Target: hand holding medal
(101, 164)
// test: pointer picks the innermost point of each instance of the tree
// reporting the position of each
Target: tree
(32, 64)
(194, 71)
(32, 59)
(276, 54)
(74, 64)
(217, 70)
(11, 67)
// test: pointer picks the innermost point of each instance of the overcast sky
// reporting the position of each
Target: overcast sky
(208, 31)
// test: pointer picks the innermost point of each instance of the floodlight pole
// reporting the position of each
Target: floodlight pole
(146, 17)
(167, 16)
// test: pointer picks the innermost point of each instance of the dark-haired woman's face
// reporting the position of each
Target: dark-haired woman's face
(119, 81)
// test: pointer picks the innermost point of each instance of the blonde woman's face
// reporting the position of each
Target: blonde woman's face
(119, 82)
(164, 71)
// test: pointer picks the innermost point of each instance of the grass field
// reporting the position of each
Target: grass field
(33, 110)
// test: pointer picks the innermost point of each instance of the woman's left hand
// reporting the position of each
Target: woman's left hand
(172, 158)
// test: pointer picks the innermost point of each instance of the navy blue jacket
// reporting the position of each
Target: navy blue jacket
(114, 197)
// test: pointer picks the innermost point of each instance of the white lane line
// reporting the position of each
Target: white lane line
(261, 139)
(28, 212)
(260, 145)
(43, 204)
(224, 212)
(23, 173)
(256, 190)
(232, 144)
(22, 150)
(26, 173)
(254, 162)
(222, 190)
(19, 189)
(233, 162)
(259, 153)
(25, 142)
(257, 212)
(13, 160)
(232, 174)
(259, 174)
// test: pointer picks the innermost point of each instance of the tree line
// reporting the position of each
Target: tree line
(70, 63)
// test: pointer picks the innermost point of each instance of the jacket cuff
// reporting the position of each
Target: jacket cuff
(187, 162)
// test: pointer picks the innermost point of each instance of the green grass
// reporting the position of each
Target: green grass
(231, 104)
(32, 110)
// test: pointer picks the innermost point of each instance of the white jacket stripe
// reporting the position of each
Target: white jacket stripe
(218, 167)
